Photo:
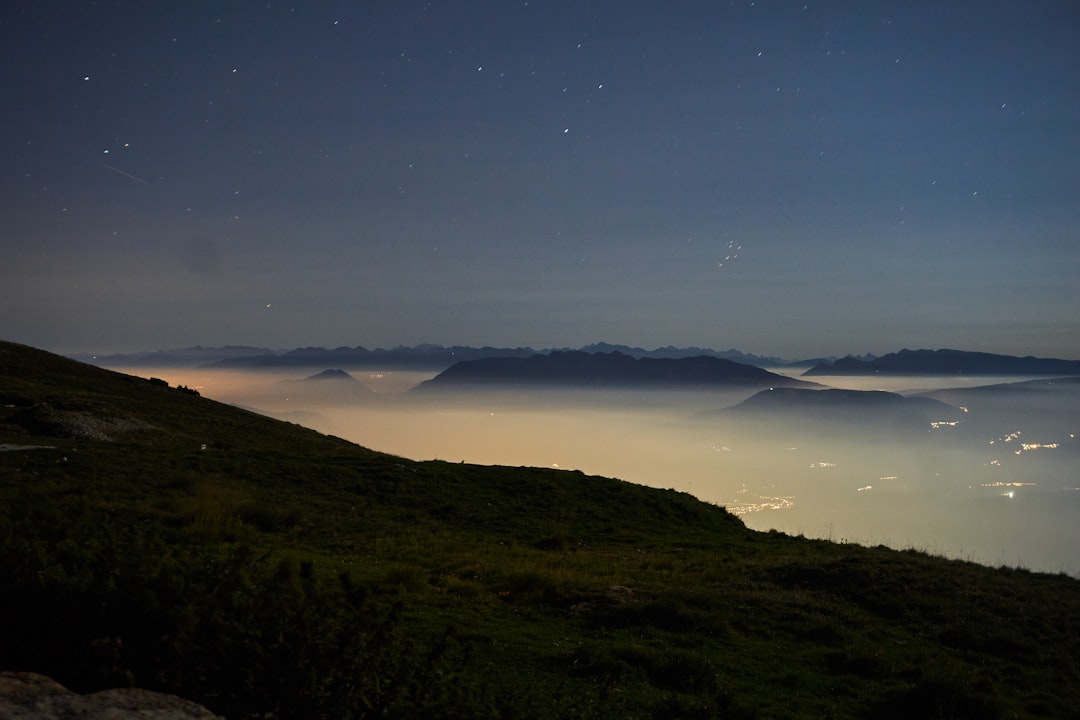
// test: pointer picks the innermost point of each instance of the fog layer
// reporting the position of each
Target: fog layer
(993, 479)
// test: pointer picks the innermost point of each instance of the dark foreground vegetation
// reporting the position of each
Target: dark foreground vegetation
(173, 543)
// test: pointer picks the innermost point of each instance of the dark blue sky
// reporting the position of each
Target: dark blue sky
(789, 178)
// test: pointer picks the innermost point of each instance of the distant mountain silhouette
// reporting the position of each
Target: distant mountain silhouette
(866, 410)
(334, 374)
(180, 357)
(327, 387)
(1040, 388)
(815, 400)
(417, 357)
(670, 351)
(812, 362)
(420, 357)
(1047, 409)
(576, 368)
(946, 362)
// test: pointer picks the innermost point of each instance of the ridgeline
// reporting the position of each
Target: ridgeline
(153, 538)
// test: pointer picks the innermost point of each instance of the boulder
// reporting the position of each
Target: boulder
(29, 696)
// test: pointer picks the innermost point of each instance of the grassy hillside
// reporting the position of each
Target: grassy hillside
(170, 542)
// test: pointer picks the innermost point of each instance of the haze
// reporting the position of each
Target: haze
(998, 488)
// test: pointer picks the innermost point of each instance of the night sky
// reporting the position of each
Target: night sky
(788, 178)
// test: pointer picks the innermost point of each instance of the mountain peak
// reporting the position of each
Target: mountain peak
(331, 374)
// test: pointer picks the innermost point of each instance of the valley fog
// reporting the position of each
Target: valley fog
(993, 479)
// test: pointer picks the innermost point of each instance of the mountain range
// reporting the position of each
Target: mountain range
(417, 357)
(428, 357)
(946, 362)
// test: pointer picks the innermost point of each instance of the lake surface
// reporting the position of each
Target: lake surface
(1000, 487)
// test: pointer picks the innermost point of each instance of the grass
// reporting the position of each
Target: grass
(283, 573)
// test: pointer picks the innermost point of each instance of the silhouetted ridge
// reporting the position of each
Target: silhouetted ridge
(866, 409)
(671, 351)
(334, 374)
(788, 398)
(424, 356)
(577, 368)
(420, 357)
(947, 362)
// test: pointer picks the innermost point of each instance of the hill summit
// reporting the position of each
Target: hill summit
(332, 374)
(574, 368)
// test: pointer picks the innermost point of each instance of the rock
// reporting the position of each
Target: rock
(29, 696)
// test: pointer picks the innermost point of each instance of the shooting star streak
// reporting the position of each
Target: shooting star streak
(127, 175)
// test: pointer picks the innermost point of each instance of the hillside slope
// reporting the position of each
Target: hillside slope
(162, 540)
